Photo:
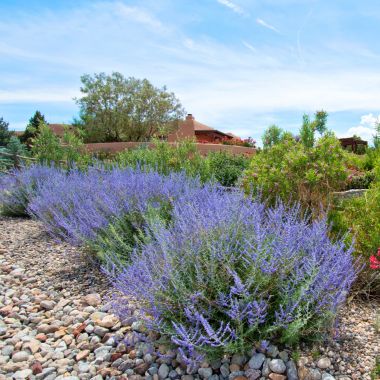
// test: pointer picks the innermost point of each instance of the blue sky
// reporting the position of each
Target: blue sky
(237, 65)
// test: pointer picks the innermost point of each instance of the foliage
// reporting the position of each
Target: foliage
(48, 148)
(5, 134)
(115, 108)
(15, 148)
(20, 186)
(272, 136)
(376, 138)
(309, 128)
(292, 172)
(362, 181)
(166, 158)
(184, 157)
(33, 127)
(360, 217)
(226, 168)
(248, 142)
(229, 271)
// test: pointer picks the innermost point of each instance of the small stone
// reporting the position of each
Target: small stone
(205, 373)
(238, 359)
(284, 356)
(141, 368)
(93, 299)
(23, 374)
(47, 329)
(324, 363)
(313, 374)
(108, 321)
(36, 368)
(83, 367)
(272, 351)
(252, 374)
(163, 371)
(291, 370)
(256, 361)
(20, 356)
(82, 355)
(277, 365)
(276, 376)
(327, 376)
(41, 337)
(225, 370)
(234, 368)
(47, 305)
(100, 331)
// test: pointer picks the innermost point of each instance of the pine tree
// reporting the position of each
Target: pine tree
(32, 128)
(5, 134)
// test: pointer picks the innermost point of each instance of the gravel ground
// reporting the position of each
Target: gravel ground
(55, 323)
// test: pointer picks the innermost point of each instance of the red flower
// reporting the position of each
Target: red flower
(374, 262)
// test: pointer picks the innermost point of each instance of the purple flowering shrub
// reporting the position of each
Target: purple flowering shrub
(19, 186)
(229, 271)
(106, 209)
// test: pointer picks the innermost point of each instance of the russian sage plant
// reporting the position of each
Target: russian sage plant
(229, 271)
(106, 209)
(19, 187)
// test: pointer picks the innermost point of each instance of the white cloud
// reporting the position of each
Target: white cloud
(366, 128)
(266, 25)
(234, 7)
(249, 46)
(139, 15)
(370, 120)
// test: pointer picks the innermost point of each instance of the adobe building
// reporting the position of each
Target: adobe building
(190, 128)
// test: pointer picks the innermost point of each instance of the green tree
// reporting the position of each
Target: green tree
(5, 134)
(272, 135)
(115, 108)
(308, 129)
(33, 127)
(46, 146)
(376, 138)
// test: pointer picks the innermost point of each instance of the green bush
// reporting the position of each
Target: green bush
(359, 219)
(293, 172)
(184, 156)
(166, 158)
(227, 168)
(48, 148)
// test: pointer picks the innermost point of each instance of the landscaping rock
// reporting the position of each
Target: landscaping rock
(277, 365)
(256, 361)
(53, 325)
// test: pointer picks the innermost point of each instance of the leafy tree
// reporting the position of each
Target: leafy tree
(295, 173)
(33, 127)
(309, 127)
(115, 108)
(272, 136)
(5, 134)
(376, 138)
(46, 145)
(48, 148)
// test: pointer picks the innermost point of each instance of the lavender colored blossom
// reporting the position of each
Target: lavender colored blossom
(19, 187)
(229, 271)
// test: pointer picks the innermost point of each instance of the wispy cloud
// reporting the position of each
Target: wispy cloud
(233, 6)
(139, 15)
(266, 25)
(249, 46)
